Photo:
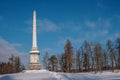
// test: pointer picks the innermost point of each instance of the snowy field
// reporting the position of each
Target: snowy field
(47, 75)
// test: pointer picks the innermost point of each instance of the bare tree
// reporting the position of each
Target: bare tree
(87, 54)
(46, 61)
(111, 52)
(117, 51)
(62, 63)
(105, 60)
(98, 57)
(78, 61)
(68, 56)
(90, 57)
(14, 65)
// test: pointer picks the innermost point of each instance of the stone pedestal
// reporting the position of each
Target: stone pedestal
(34, 66)
(34, 60)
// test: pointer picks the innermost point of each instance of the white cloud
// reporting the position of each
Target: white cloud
(117, 18)
(93, 35)
(45, 25)
(72, 26)
(7, 49)
(48, 50)
(101, 27)
(74, 41)
(77, 41)
(104, 32)
(117, 35)
(111, 37)
(90, 24)
(100, 5)
(16, 45)
(107, 23)
(89, 35)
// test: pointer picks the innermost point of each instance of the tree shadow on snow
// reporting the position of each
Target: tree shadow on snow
(67, 77)
(6, 78)
(48, 79)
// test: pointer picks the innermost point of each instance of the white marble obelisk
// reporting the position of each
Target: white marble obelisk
(34, 53)
(34, 45)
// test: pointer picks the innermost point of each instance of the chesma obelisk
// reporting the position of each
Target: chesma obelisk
(34, 53)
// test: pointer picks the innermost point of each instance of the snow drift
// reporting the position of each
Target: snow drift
(47, 75)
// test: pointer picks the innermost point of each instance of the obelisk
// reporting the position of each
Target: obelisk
(34, 53)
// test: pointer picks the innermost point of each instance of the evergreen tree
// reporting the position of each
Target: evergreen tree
(53, 61)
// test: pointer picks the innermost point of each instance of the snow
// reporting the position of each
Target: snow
(34, 71)
(47, 75)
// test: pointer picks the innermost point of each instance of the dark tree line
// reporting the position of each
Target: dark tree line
(91, 56)
(12, 66)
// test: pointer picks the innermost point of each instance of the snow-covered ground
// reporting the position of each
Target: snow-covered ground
(47, 75)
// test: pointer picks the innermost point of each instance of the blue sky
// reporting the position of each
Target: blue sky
(57, 20)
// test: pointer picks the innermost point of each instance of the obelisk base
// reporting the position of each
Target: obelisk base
(34, 66)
